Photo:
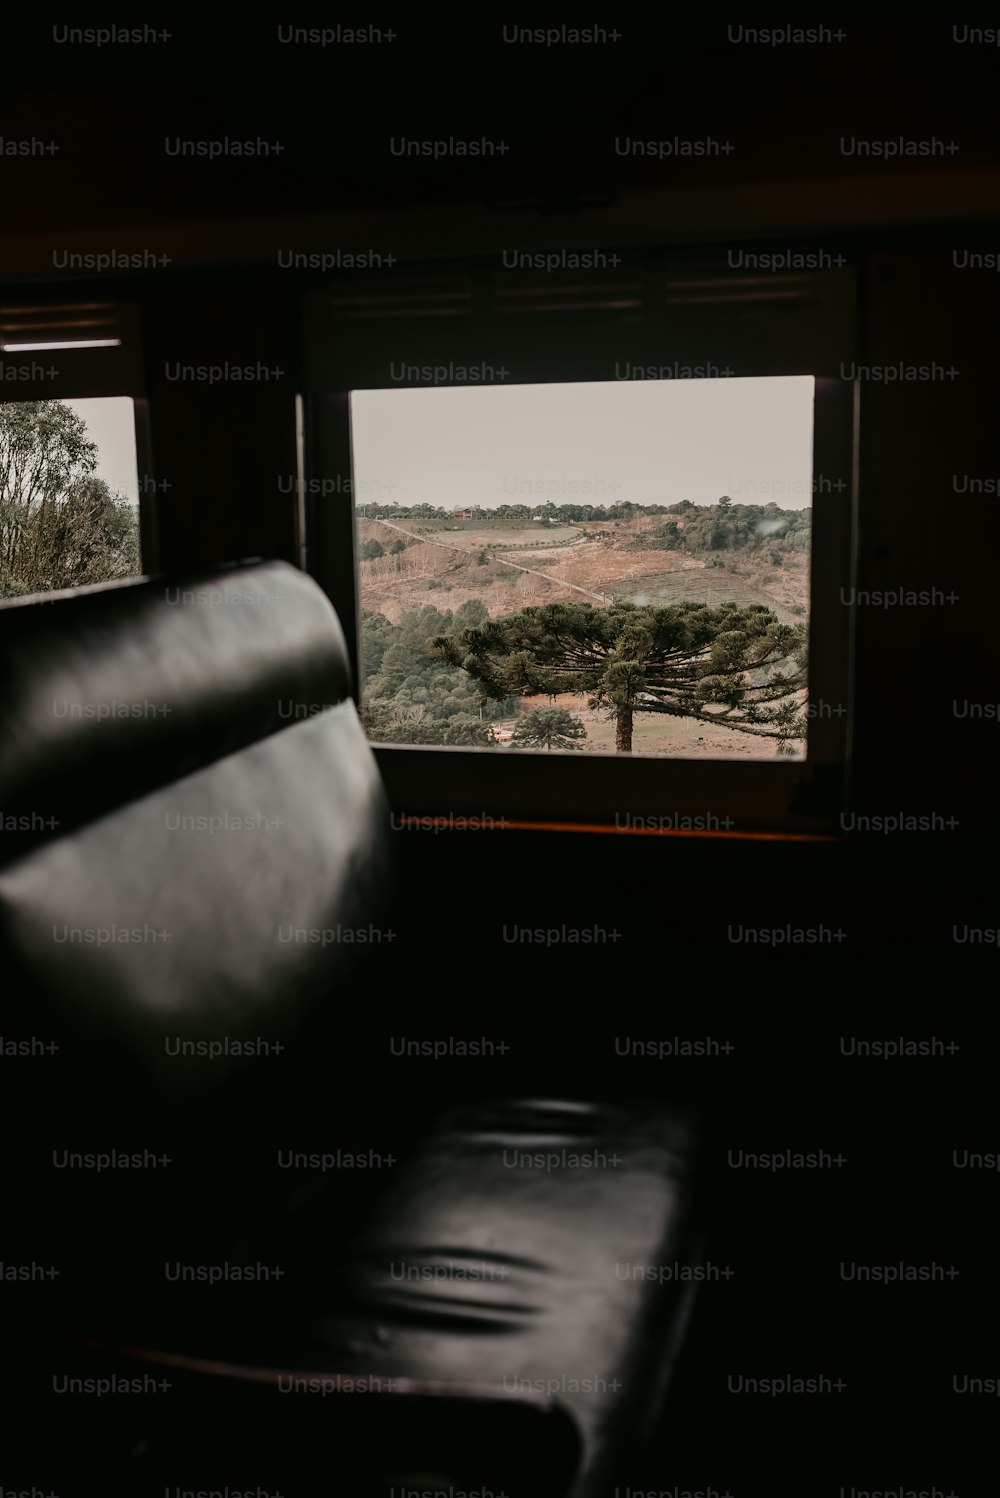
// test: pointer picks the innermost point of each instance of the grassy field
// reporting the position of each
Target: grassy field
(471, 535)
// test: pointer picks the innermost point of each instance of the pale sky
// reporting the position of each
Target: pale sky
(648, 441)
(111, 424)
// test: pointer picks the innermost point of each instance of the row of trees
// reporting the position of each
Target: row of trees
(742, 523)
(620, 510)
(60, 526)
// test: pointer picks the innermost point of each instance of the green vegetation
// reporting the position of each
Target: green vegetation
(733, 667)
(59, 526)
(548, 728)
(729, 527)
(411, 697)
(556, 514)
(694, 528)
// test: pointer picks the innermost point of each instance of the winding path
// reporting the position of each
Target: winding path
(450, 546)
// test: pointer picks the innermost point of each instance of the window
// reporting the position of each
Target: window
(710, 514)
(665, 522)
(69, 496)
(73, 448)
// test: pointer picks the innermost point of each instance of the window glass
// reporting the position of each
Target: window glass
(587, 568)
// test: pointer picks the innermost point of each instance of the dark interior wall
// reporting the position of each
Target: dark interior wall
(226, 447)
(921, 441)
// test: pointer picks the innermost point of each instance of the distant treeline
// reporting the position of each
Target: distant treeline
(720, 527)
(620, 510)
(729, 527)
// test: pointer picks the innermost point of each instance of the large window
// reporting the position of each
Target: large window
(592, 544)
(640, 548)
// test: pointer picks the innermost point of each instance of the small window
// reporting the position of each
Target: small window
(76, 482)
(69, 494)
(595, 568)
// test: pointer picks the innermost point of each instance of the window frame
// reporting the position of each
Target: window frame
(625, 792)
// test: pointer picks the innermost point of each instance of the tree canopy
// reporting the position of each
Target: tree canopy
(733, 666)
(548, 728)
(59, 525)
(411, 697)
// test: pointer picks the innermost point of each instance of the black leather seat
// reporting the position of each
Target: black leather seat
(197, 823)
(528, 1244)
(194, 827)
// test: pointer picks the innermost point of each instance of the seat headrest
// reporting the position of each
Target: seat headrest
(110, 692)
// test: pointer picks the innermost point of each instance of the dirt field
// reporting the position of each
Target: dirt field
(447, 571)
(536, 536)
(486, 532)
(654, 733)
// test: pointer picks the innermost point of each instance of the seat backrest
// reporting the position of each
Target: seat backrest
(195, 834)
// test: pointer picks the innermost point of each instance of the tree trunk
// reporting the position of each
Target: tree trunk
(623, 731)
